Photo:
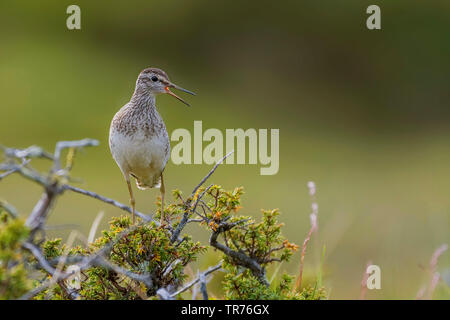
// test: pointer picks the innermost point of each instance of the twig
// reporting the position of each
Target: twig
(36, 252)
(203, 290)
(94, 227)
(30, 152)
(61, 145)
(14, 169)
(60, 266)
(200, 198)
(314, 227)
(163, 294)
(211, 172)
(28, 173)
(196, 280)
(302, 259)
(434, 275)
(239, 258)
(145, 278)
(365, 277)
(185, 217)
(30, 294)
(7, 173)
(9, 209)
(95, 259)
(40, 211)
(109, 201)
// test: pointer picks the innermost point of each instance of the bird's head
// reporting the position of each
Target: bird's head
(156, 81)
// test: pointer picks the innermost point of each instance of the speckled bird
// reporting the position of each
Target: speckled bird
(138, 137)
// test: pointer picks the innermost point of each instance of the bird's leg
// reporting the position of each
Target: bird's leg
(162, 189)
(132, 202)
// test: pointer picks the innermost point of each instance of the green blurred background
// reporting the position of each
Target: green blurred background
(364, 114)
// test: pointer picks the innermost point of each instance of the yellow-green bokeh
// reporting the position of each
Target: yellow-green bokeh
(364, 114)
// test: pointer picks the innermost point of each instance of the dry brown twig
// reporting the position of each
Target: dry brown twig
(435, 277)
(363, 291)
(314, 227)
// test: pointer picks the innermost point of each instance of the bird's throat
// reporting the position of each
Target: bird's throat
(142, 97)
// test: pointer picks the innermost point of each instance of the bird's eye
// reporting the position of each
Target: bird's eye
(154, 78)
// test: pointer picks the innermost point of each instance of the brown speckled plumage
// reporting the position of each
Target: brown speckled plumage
(136, 127)
(138, 137)
(139, 114)
(155, 71)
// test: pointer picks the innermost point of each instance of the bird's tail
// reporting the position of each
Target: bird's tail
(144, 184)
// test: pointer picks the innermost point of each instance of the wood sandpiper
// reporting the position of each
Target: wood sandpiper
(138, 137)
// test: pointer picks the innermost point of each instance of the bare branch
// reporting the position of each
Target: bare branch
(40, 211)
(7, 173)
(200, 197)
(9, 208)
(109, 201)
(36, 252)
(196, 280)
(32, 175)
(26, 173)
(30, 152)
(211, 172)
(95, 259)
(163, 294)
(240, 258)
(30, 294)
(203, 289)
(185, 218)
(14, 168)
(61, 145)
(145, 278)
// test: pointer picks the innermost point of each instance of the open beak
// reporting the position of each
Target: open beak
(171, 85)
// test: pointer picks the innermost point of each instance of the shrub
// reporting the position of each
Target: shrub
(146, 260)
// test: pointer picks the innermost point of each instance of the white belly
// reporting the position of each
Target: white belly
(142, 156)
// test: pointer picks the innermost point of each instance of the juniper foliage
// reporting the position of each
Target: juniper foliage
(146, 260)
